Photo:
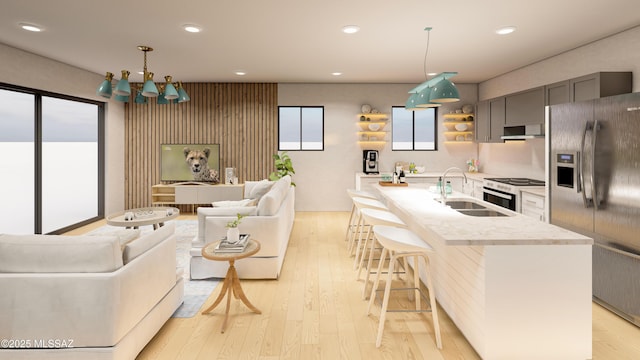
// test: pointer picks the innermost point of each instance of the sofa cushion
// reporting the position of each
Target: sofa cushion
(59, 254)
(124, 236)
(138, 247)
(260, 189)
(270, 203)
(234, 203)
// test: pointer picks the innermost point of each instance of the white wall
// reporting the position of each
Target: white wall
(37, 72)
(324, 176)
(620, 52)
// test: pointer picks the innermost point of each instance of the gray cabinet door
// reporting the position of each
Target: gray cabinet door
(601, 84)
(558, 93)
(497, 119)
(525, 108)
(482, 121)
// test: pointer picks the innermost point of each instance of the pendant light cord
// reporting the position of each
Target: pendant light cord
(428, 30)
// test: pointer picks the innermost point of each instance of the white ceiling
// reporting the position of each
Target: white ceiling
(301, 40)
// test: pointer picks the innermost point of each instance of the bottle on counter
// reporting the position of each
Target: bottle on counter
(401, 178)
(395, 177)
(448, 189)
(439, 184)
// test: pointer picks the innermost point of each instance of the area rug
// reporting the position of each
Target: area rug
(196, 292)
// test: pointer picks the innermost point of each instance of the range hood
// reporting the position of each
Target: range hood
(523, 132)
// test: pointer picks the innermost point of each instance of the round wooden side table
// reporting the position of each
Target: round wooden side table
(231, 281)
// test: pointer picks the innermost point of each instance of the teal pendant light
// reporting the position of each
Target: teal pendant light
(444, 92)
(122, 98)
(123, 88)
(104, 89)
(434, 91)
(140, 99)
(424, 101)
(170, 91)
(162, 100)
(149, 88)
(182, 94)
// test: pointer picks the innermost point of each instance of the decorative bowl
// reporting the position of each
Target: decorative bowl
(420, 169)
(461, 127)
(460, 138)
(387, 177)
(467, 108)
(374, 127)
(366, 108)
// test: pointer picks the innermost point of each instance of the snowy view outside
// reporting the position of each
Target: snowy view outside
(301, 128)
(69, 162)
(413, 130)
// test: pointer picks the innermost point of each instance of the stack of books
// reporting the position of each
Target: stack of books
(226, 247)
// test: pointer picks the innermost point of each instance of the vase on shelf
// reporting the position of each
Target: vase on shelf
(233, 235)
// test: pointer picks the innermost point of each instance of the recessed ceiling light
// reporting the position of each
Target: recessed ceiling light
(506, 30)
(240, 73)
(336, 73)
(30, 27)
(350, 29)
(192, 28)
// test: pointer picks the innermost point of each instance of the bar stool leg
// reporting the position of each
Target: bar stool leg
(368, 268)
(350, 223)
(416, 282)
(358, 229)
(385, 301)
(376, 281)
(360, 251)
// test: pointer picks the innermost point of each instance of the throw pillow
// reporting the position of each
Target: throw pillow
(260, 189)
(234, 203)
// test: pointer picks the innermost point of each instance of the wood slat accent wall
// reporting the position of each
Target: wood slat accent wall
(241, 117)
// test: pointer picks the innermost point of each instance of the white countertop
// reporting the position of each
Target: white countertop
(455, 228)
(434, 174)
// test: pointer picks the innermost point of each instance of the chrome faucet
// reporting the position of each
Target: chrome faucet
(443, 191)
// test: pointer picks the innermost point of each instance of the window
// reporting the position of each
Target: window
(52, 160)
(413, 130)
(300, 128)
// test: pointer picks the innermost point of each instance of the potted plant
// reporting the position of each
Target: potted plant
(283, 166)
(233, 233)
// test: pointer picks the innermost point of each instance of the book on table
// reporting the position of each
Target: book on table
(226, 247)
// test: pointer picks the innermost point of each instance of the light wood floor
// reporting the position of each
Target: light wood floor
(315, 311)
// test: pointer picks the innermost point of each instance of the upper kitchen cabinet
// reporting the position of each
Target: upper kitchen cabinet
(490, 117)
(558, 93)
(588, 87)
(525, 107)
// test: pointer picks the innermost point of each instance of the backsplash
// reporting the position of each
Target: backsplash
(514, 159)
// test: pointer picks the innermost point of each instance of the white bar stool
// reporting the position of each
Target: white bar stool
(355, 193)
(361, 203)
(401, 242)
(374, 217)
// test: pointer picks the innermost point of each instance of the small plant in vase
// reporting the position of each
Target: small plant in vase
(233, 233)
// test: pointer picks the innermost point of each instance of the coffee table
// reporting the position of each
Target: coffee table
(231, 281)
(155, 216)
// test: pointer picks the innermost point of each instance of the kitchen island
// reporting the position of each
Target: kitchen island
(516, 288)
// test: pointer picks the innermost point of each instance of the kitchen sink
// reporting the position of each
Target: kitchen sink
(463, 204)
(481, 212)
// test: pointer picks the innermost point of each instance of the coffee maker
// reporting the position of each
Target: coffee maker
(370, 162)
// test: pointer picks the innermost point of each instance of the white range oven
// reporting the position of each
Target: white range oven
(505, 192)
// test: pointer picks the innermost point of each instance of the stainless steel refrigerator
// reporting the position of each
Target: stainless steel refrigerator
(594, 184)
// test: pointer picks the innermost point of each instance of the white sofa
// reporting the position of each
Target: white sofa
(269, 221)
(86, 297)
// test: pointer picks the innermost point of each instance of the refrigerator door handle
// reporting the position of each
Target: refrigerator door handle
(585, 201)
(594, 193)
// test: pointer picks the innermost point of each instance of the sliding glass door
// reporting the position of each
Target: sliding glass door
(69, 162)
(17, 167)
(51, 161)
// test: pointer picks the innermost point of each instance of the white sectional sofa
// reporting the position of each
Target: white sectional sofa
(269, 221)
(86, 297)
